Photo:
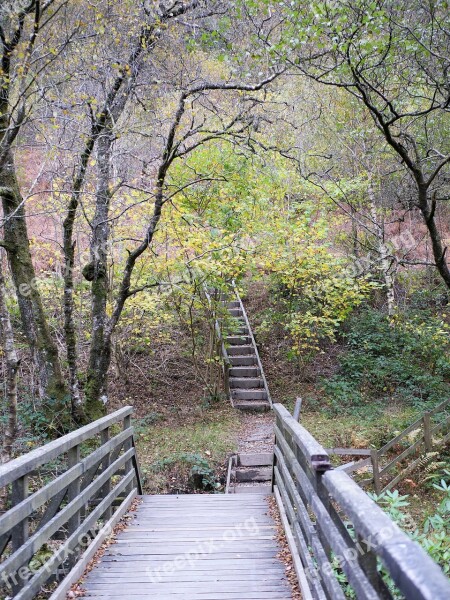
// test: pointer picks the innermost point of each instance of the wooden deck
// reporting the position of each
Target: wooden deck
(208, 547)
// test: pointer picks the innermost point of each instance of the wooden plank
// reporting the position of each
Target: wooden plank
(416, 425)
(255, 460)
(298, 566)
(29, 462)
(349, 451)
(225, 557)
(78, 570)
(402, 474)
(401, 456)
(354, 466)
(194, 594)
(414, 572)
(34, 501)
(52, 508)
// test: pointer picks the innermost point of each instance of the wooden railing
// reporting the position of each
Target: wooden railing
(337, 532)
(425, 441)
(63, 499)
(250, 333)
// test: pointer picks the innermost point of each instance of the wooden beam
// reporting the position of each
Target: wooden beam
(23, 465)
(300, 572)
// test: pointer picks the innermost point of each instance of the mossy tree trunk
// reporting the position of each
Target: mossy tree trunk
(12, 366)
(34, 322)
(15, 233)
(97, 272)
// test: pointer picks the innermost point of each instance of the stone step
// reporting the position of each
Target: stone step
(238, 340)
(253, 489)
(251, 474)
(240, 350)
(251, 394)
(235, 312)
(244, 372)
(260, 459)
(246, 382)
(252, 405)
(243, 361)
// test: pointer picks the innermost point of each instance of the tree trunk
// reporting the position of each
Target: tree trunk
(383, 251)
(43, 348)
(12, 366)
(97, 271)
(428, 210)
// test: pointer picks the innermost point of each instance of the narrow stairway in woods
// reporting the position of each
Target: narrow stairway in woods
(248, 386)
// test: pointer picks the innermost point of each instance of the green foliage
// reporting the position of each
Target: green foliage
(141, 425)
(434, 534)
(201, 475)
(405, 359)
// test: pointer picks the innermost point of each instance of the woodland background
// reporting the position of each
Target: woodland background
(148, 149)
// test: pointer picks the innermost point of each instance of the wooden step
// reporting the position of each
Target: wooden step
(253, 489)
(240, 350)
(249, 394)
(246, 382)
(241, 330)
(252, 405)
(238, 340)
(233, 304)
(244, 372)
(260, 459)
(251, 474)
(243, 361)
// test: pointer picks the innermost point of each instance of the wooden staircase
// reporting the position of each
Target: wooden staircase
(251, 474)
(247, 384)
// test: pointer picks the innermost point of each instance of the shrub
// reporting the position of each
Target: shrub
(402, 359)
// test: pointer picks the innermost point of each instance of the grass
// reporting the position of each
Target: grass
(162, 445)
(354, 431)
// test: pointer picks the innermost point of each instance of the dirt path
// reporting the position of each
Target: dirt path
(255, 433)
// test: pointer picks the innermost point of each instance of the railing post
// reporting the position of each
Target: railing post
(426, 419)
(104, 437)
(127, 446)
(376, 471)
(274, 460)
(73, 457)
(19, 533)
(297, 409)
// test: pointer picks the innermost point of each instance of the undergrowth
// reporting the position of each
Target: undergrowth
(404, 360)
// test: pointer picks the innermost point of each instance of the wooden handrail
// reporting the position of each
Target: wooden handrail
(90, 491)
(250, 332)
(319, 502)
(424, 443)
(18, 467)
